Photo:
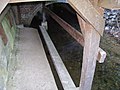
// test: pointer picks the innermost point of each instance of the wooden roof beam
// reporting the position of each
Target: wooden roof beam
(109, 4)
(89, 13)
(3, 4)
(19, 1)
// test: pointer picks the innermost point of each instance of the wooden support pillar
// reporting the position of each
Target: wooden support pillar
(91, 45)
(43, 12)
(19, 15)
(44, 18)
(44, 22)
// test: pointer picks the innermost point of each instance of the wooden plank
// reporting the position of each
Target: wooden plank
(4, 12)
(94, 2)
(7, 32)
(19, 1)
(63, 74)
(3, 35)
(87, 11)
(17, 15)
(102, 54)
(91, 45)
(110, 4)
(73, 32)
(43, 13)
(3, 4)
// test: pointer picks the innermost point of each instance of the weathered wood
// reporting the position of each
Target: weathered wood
(102, 54)
(97, 7)
(2, 35)
(73, 32)
(94, 2)
(3, 4)
(19, 1)
(63, 74)
(91, 45)
(4, 12)
(87, 11)
(110, 4)
(43, 13)
(16, 12)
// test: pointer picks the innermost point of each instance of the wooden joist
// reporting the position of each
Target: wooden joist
(74, 33)
(109, 4)
(19, 1)
(87, 11)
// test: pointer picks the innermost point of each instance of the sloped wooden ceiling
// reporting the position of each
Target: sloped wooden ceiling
(3, 4)
(110, 4)
(18, 1)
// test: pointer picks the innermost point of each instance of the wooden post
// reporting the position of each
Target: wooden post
(44, 21)
(18, 15)
(43, 12)
(91, 45)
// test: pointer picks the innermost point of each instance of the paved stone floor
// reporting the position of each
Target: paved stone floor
(32, 71)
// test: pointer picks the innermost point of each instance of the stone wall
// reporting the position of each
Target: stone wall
(27, 11)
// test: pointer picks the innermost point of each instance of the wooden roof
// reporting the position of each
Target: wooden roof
(18, 1)
(3, 4)
(110, 4)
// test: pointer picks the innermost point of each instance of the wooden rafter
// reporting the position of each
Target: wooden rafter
(3, 4)
(110, 4)
(19, 1)
(90, 14)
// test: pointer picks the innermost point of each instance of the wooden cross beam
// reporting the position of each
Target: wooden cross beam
(75, 34)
